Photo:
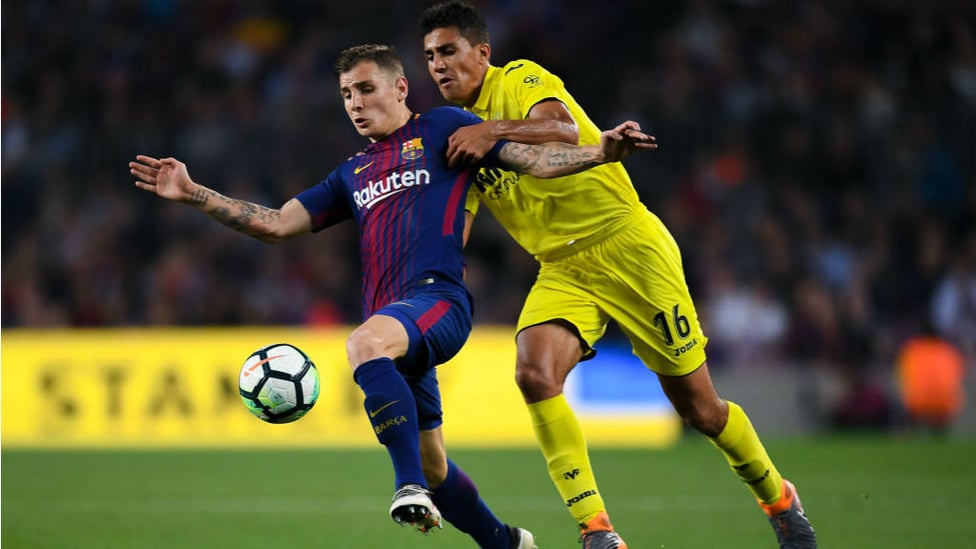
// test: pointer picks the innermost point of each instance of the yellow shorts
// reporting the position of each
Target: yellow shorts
(631, 274)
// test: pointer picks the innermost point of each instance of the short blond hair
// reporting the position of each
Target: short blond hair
(385, 57)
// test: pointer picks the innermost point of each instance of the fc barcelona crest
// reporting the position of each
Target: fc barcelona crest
(412, 148)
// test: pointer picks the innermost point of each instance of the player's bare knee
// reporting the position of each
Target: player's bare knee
(708, 420)
(537, 382)
(361, 345)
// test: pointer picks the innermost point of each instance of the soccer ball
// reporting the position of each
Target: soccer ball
(279, 383)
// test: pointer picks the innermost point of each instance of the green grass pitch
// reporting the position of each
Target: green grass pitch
(874, 492)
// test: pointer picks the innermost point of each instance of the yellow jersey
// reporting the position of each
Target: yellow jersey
(548, 217)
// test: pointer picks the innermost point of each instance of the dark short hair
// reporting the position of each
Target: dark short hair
(455, 13)
(385, 57)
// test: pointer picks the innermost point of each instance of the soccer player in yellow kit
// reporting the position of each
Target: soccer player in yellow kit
(603, 256)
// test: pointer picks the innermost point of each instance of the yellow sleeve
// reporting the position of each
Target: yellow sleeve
(472, 200)
(529, 83)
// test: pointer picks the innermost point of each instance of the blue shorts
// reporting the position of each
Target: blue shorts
(437, 318)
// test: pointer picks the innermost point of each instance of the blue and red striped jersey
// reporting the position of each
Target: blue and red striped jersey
(408, 204)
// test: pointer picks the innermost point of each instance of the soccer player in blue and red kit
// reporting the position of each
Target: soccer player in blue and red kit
(409, 207)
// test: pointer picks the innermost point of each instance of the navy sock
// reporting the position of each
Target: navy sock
(392, 411)
(459, 503)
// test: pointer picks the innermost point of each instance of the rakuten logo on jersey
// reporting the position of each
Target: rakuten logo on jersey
(377, 191)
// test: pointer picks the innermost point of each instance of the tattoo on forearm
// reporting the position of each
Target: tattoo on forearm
(246, 217)
(201, 197)
(227, 217)
(571, 156)
(546, 159)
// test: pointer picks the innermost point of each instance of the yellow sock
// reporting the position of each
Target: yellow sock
(561, 439)
(745, 453)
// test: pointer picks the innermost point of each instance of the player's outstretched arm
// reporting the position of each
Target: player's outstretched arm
(558, 159)
(168, 178)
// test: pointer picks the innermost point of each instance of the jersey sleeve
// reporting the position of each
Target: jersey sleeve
(326, 202)
(452, 118)
(472, 201)
(530, 84)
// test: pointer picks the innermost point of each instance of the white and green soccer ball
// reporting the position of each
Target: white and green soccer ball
(279, 383)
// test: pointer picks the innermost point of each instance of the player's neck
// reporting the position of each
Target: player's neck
(402, 120)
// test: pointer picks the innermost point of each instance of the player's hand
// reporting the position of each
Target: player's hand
(469, 144)
(165, 177)
(623, 140)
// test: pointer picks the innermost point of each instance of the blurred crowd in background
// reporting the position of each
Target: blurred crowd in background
(817, 160)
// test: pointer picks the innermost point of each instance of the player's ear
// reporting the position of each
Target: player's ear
(403, 88)
(484, 52)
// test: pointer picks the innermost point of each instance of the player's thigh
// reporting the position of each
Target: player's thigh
(648, 298)
(559, 297)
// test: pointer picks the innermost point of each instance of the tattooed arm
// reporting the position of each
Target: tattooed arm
(558, 159)
(169, 179)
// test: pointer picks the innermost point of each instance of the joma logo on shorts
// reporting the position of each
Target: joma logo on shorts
(681, 350)
(579, 498)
